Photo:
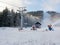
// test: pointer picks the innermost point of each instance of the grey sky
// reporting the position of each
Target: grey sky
(45, 5)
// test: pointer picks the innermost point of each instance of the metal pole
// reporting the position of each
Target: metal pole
(21, 20)
(21, 12)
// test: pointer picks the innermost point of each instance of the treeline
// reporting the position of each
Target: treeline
(36, 13)
(9, 18)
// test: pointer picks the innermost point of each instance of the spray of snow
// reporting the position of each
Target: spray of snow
(46, 20)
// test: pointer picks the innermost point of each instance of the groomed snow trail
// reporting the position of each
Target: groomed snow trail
(12, 36)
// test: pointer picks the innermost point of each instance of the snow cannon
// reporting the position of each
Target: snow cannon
(33, 27)
(50, 27)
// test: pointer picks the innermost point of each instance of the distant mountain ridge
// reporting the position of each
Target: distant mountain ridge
(37, 16)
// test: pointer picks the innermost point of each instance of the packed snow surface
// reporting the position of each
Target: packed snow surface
(12, 36)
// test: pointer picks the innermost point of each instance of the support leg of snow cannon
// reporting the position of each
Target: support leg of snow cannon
(46, 30)
(52, 29)
(33, 29)
(19, 29)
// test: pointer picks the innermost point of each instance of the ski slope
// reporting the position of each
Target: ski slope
(12, 36)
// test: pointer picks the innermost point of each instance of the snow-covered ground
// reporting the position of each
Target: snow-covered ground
(12, 36)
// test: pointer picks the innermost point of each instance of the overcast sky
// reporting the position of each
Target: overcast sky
(32, 5)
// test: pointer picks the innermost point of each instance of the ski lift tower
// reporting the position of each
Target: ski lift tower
(21, 11)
